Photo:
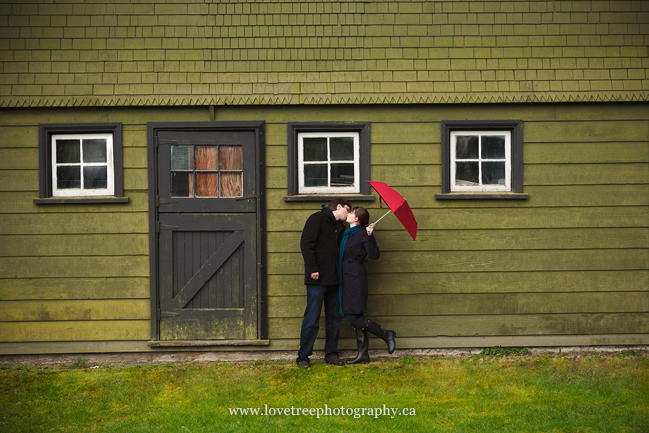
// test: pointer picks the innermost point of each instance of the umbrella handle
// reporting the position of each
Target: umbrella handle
(383, 216)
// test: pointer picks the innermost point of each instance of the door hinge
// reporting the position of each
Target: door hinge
(157, 226)
(157, 200)
(169, 314)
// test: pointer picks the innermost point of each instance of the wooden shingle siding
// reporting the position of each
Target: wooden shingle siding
(572, 257)
(322, 52)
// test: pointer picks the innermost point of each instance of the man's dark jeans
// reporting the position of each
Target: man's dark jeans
(315, 295)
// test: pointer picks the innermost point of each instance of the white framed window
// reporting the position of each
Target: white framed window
(82, 165)
(328, 162)
(480, 161)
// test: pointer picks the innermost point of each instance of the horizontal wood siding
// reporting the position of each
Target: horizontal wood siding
(571, 260)
(75, 272)
(570, 265)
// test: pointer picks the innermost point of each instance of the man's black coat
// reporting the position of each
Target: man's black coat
(320, 246)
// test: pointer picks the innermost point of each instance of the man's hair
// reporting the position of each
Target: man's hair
(362, 214)
(333, 204)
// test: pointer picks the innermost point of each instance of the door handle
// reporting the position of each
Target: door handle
(248, 197)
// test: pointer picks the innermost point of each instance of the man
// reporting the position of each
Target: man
(320, 246)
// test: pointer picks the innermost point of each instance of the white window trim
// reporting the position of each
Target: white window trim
(80, 192)
(481, 188)
(355, 189)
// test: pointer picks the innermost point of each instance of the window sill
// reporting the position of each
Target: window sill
(80, 200)
(482, 196)
(325, 197)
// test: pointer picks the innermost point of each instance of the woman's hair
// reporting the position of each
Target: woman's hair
(362, 214)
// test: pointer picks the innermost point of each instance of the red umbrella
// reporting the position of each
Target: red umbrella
(398, 205)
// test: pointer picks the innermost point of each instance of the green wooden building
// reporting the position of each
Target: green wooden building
(159, 159)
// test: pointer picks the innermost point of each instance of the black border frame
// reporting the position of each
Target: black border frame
(45, 132)
(516, 128)
(260, 185)
(363, 130)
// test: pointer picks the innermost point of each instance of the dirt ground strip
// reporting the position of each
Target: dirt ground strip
(93, 359)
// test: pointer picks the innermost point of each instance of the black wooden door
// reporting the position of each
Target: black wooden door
(207, 237)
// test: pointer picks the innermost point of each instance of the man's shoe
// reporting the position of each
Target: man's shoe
(304, 364)
(335, 361)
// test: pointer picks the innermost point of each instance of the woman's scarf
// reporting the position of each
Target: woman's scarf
(346, 234)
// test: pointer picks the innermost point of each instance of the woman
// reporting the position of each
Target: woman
(357, 243)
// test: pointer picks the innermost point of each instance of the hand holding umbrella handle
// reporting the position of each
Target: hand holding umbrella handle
(383, 216)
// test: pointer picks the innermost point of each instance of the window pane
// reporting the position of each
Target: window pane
(466, 147)
(207, 184)
(95, 177)
(315, 175)
(68, 177)
(207, 158)
(315, 149)
(493, 173)
(182, 184)
(342, 174)
(342, 148)
(493, 146)
(231, 185)
(68, 151)
(231, 158)
(466, 173)
(94, 150)
(182, 158)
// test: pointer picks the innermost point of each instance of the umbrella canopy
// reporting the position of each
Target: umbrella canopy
(398, 205)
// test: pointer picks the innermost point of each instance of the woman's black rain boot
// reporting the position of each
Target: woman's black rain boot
(363, 343)
(387, 336)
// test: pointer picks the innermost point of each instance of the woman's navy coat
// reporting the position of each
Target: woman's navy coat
(359, 245)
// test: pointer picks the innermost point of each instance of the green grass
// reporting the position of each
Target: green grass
(500, 392)
(501, 351)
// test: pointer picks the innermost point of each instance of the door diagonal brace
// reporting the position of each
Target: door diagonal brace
(206, 271)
